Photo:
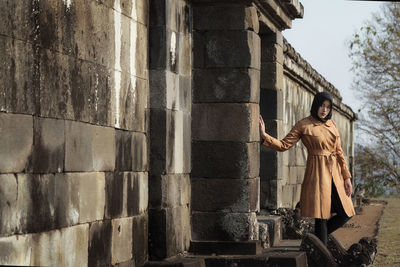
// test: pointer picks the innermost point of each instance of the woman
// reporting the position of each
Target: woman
(326, 186)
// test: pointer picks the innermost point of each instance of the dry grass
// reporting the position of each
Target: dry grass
(389, 235)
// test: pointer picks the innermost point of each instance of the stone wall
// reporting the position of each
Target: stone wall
(170, 62)
(74, 132)
(283, 102)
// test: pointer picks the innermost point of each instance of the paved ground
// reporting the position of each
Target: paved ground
(364, 224)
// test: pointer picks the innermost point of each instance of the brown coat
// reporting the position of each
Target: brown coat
(325, 160)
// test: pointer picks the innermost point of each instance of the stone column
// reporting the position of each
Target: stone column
(225, 147)
(271, 108)
(170, 126)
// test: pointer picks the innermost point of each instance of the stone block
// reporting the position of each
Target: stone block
(226, 85)
(211, 195)
(169, 232)
(99, 253)
(274, 226)
(175, 190)
(80, 197)
(137, 10)
(140, 239)
(225, 17)
(268, 164)
(225, 159)
(129, 101)
(178, 16)
(158, 47)
(89, 147)
(121, 240)
(126, 194)
(271, 106)
(268, 194)
(37, 206)
(16, 142)
(178, 142)
(224, 226)
(237, 49)
(8, 204)
(185, 54)
(157, 15)
(158, 120)
(158, 88)
(74, 246)
(65, 247)
(199, 44)
(139, 152)
(18, 75)
(272, 38)
(64, 87)
(123, 150)
(215, 122)
(48, 146)
(317, 252)
(271, 52)
(271, 76)
(17, 19)
(226, 247)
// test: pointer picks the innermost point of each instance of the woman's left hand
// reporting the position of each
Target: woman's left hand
(348, 187)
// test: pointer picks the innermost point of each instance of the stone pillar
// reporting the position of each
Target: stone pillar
(271, 108)
(170, 127)
(225, 147)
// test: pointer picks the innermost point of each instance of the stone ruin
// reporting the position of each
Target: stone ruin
(129, 129)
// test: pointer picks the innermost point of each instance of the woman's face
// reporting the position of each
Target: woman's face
(324, 109)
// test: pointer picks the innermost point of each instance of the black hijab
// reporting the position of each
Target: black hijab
(319, 98)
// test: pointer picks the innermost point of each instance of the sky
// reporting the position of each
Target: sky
(322, 38)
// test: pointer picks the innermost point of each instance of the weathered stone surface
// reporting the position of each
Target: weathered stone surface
(74, 245)
(123, 150)
(225, 159)
(175, 190)
(271, 52)
(158, 47)
(17, 73)
(37, 204)
(16, 142)
(8, 204)
(65, 247)
(274, 226)
(271, 76)
(185, 54)
(225, 17)
(170, 232)
(126, 194)
(139, 152)
(317, 253)
(268, 194)
(268, 164)
(48, 146)
(81, 198)
(225, 122)
(137, 10)
(224, 226)
(99, 253)
(157, 15)
(221, 45)
(178, 16)
(178, 142)
(140, 239)
(157, 141)
(122, 240)
(211, 195)
(271, 104)
(226, 247)
(89, 147)
(226, 85)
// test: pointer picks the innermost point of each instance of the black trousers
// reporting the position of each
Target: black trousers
(323, 227)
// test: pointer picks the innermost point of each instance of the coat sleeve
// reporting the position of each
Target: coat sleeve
(282, 145)
(342, 162)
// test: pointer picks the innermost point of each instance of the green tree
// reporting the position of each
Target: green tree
(375, 52)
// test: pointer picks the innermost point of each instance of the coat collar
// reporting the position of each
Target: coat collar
(317, 122)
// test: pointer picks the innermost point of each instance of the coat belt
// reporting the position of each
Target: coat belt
(320, 152)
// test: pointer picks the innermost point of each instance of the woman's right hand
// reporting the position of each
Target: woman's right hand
(263, 134)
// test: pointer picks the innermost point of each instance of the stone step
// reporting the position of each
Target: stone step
(225, 247)
(274, 224)
(177, 262)
(276, 259)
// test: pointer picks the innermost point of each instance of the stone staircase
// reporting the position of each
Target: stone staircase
(270, 250)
